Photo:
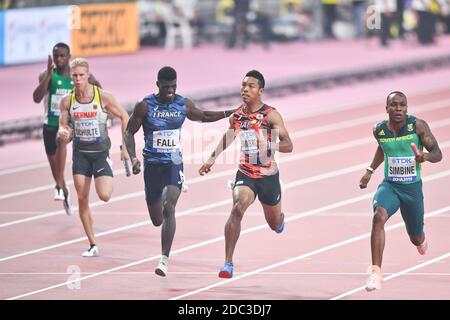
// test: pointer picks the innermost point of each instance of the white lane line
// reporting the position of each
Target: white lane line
(396, 275)
(347, 106)
(217, 204)
(249, 230)
(303, 155)
(303, 256)
(214, 273)
(297, 134)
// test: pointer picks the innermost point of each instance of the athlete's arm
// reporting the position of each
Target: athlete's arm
(113, 107)
(429, 142)
(276, 121)
(64, 131)
(134, 123)
(195, 114)
(44, 82)
(226, 141)
(378, 159)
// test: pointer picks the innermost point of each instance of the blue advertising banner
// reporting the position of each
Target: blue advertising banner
(30, 34)
(2, 35)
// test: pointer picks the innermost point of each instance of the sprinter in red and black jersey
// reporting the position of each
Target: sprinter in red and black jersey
(258, 126)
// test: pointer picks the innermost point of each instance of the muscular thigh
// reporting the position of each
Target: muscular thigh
(82, 185)
(49, 135)
(157, 177)
(412, 207)
(269, 190)
(386, 197)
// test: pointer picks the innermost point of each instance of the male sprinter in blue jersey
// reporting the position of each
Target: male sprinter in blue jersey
(161, 116)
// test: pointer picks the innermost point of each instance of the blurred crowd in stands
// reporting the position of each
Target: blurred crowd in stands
(237, 23)
(187, 23)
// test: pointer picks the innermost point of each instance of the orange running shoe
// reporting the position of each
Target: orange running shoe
(423, 247)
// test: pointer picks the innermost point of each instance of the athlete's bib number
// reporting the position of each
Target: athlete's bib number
(87, 130)
(401, 169)
(166, 141)
(249, 142)
(54, 105)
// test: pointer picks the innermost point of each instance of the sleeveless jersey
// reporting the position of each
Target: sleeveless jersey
(162, 128)
(59, 87)
(90, 133)
(247, 125)
(399, 160)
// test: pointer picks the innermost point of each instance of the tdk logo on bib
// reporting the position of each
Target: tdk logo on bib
(399, 160)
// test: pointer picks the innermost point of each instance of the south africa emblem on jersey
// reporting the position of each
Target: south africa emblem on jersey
(410, 127)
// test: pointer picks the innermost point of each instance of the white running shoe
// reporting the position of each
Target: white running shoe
(91, 252)
(67, 204)
(374, 282)
(163, 266)
(58, 194)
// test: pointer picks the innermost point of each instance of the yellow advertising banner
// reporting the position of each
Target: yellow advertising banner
(105, 29)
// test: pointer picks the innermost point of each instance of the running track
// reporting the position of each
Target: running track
(323, 253)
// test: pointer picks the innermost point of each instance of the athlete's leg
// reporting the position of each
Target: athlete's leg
(169, 201)
(385, 203)
(82, 185)
(49, 135)
(104, 187)
(103, 175)
(377, 236)
(269, 194)
(273, 215)
(412, 210)
(153, 177)
(53, 166)
(243, 197)
(60, 157)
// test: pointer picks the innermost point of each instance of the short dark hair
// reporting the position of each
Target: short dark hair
(257, 75)
(167, 73)
(394, 93)
(63, 45)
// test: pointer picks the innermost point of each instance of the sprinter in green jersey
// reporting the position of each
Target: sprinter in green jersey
(402, 184)
(54, 83)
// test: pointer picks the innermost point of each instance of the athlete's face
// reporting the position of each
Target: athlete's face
(80, 76)
(250, 90)
(61, 57)
(397, 108)
(167, 89)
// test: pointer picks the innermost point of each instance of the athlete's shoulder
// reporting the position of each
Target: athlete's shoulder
(379, 128)
(268, 108)
(179, 97)
(411, 119)
(150, 99)
(239, 111)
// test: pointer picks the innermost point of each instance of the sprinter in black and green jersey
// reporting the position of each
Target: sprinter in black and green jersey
(402, 184)
(54, 83)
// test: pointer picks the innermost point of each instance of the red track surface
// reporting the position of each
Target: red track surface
(323, 253)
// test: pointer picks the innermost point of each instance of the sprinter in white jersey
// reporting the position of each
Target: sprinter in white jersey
(87, 108)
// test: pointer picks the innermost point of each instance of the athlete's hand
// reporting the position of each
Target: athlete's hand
(365, 180)
(49, 66)
(420, 157)
(124, 154)
(64, 134)
(136, 165)
(206, 167)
